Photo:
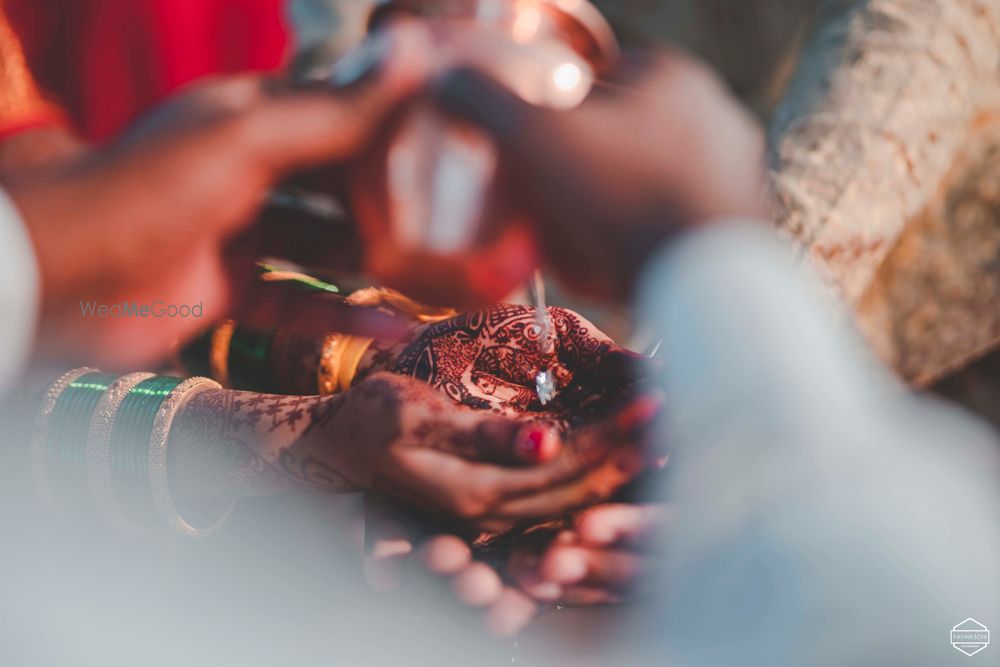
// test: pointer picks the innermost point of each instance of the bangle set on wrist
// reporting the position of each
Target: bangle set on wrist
(101, 442)
(242, 358)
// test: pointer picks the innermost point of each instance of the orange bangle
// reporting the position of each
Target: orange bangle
(339, 361)
(218, 356)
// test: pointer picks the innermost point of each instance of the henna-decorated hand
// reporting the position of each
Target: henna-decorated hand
(410, 442)
(488, 359)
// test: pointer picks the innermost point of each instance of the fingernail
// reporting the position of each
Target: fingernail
(389, 548)
(599, 533)
(360, 64)
(537, 444)
(568, 566)
(567, 537)
(548, 591)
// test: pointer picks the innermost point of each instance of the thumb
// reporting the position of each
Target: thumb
(509, 442)
(296, 129)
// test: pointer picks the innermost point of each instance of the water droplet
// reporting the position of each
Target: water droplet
(545, 387)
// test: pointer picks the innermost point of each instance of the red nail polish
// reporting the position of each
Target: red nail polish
(531, 442)
(538, 444)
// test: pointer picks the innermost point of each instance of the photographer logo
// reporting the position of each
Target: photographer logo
(970, 636)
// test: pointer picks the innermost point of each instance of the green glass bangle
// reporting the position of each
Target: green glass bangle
(137, 488)
(66, 444)
(40, 435)
(248, 356)
(99, 448)
(129, 448)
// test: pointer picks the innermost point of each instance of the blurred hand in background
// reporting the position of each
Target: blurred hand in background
(663, 147)
(147, 219)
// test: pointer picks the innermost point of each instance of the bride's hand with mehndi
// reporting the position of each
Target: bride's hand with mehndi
(488, 359)
(398, 436)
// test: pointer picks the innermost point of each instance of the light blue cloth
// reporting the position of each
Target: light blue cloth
(20, 293)
(825, 516)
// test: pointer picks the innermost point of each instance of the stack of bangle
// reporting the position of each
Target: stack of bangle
(238, 357)
(242, 358)
(100, 442)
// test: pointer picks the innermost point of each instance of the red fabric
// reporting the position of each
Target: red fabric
(106, 61)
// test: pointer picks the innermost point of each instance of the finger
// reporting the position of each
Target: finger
(510, 614)
(388, 543)
(523, 566)
(596, 486)
(478, 585)
(265, 306)
(605, 461)
(486, 491)
(609, 569)
(503, 441)
(602, 458)
(445, 555)
(633, 526)
(298, 129)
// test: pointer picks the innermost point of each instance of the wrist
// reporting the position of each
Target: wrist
(381, 355)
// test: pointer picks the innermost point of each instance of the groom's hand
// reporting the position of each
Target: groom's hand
(660, 147)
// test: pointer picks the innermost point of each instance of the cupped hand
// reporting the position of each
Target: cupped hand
(411, 443)
(662, 147)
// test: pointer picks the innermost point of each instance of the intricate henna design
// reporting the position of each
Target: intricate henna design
(228, 442)
(488, 359)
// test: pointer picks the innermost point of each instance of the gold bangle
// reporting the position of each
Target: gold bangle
(218, 356)
(158, 475)
(98, 458)
(40, 434)
(339, 362)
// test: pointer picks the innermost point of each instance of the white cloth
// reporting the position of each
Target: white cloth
(19, 294)
(825, 515)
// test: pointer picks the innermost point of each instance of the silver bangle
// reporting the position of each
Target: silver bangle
(40, 434)
(158, 474)
(98, 458)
